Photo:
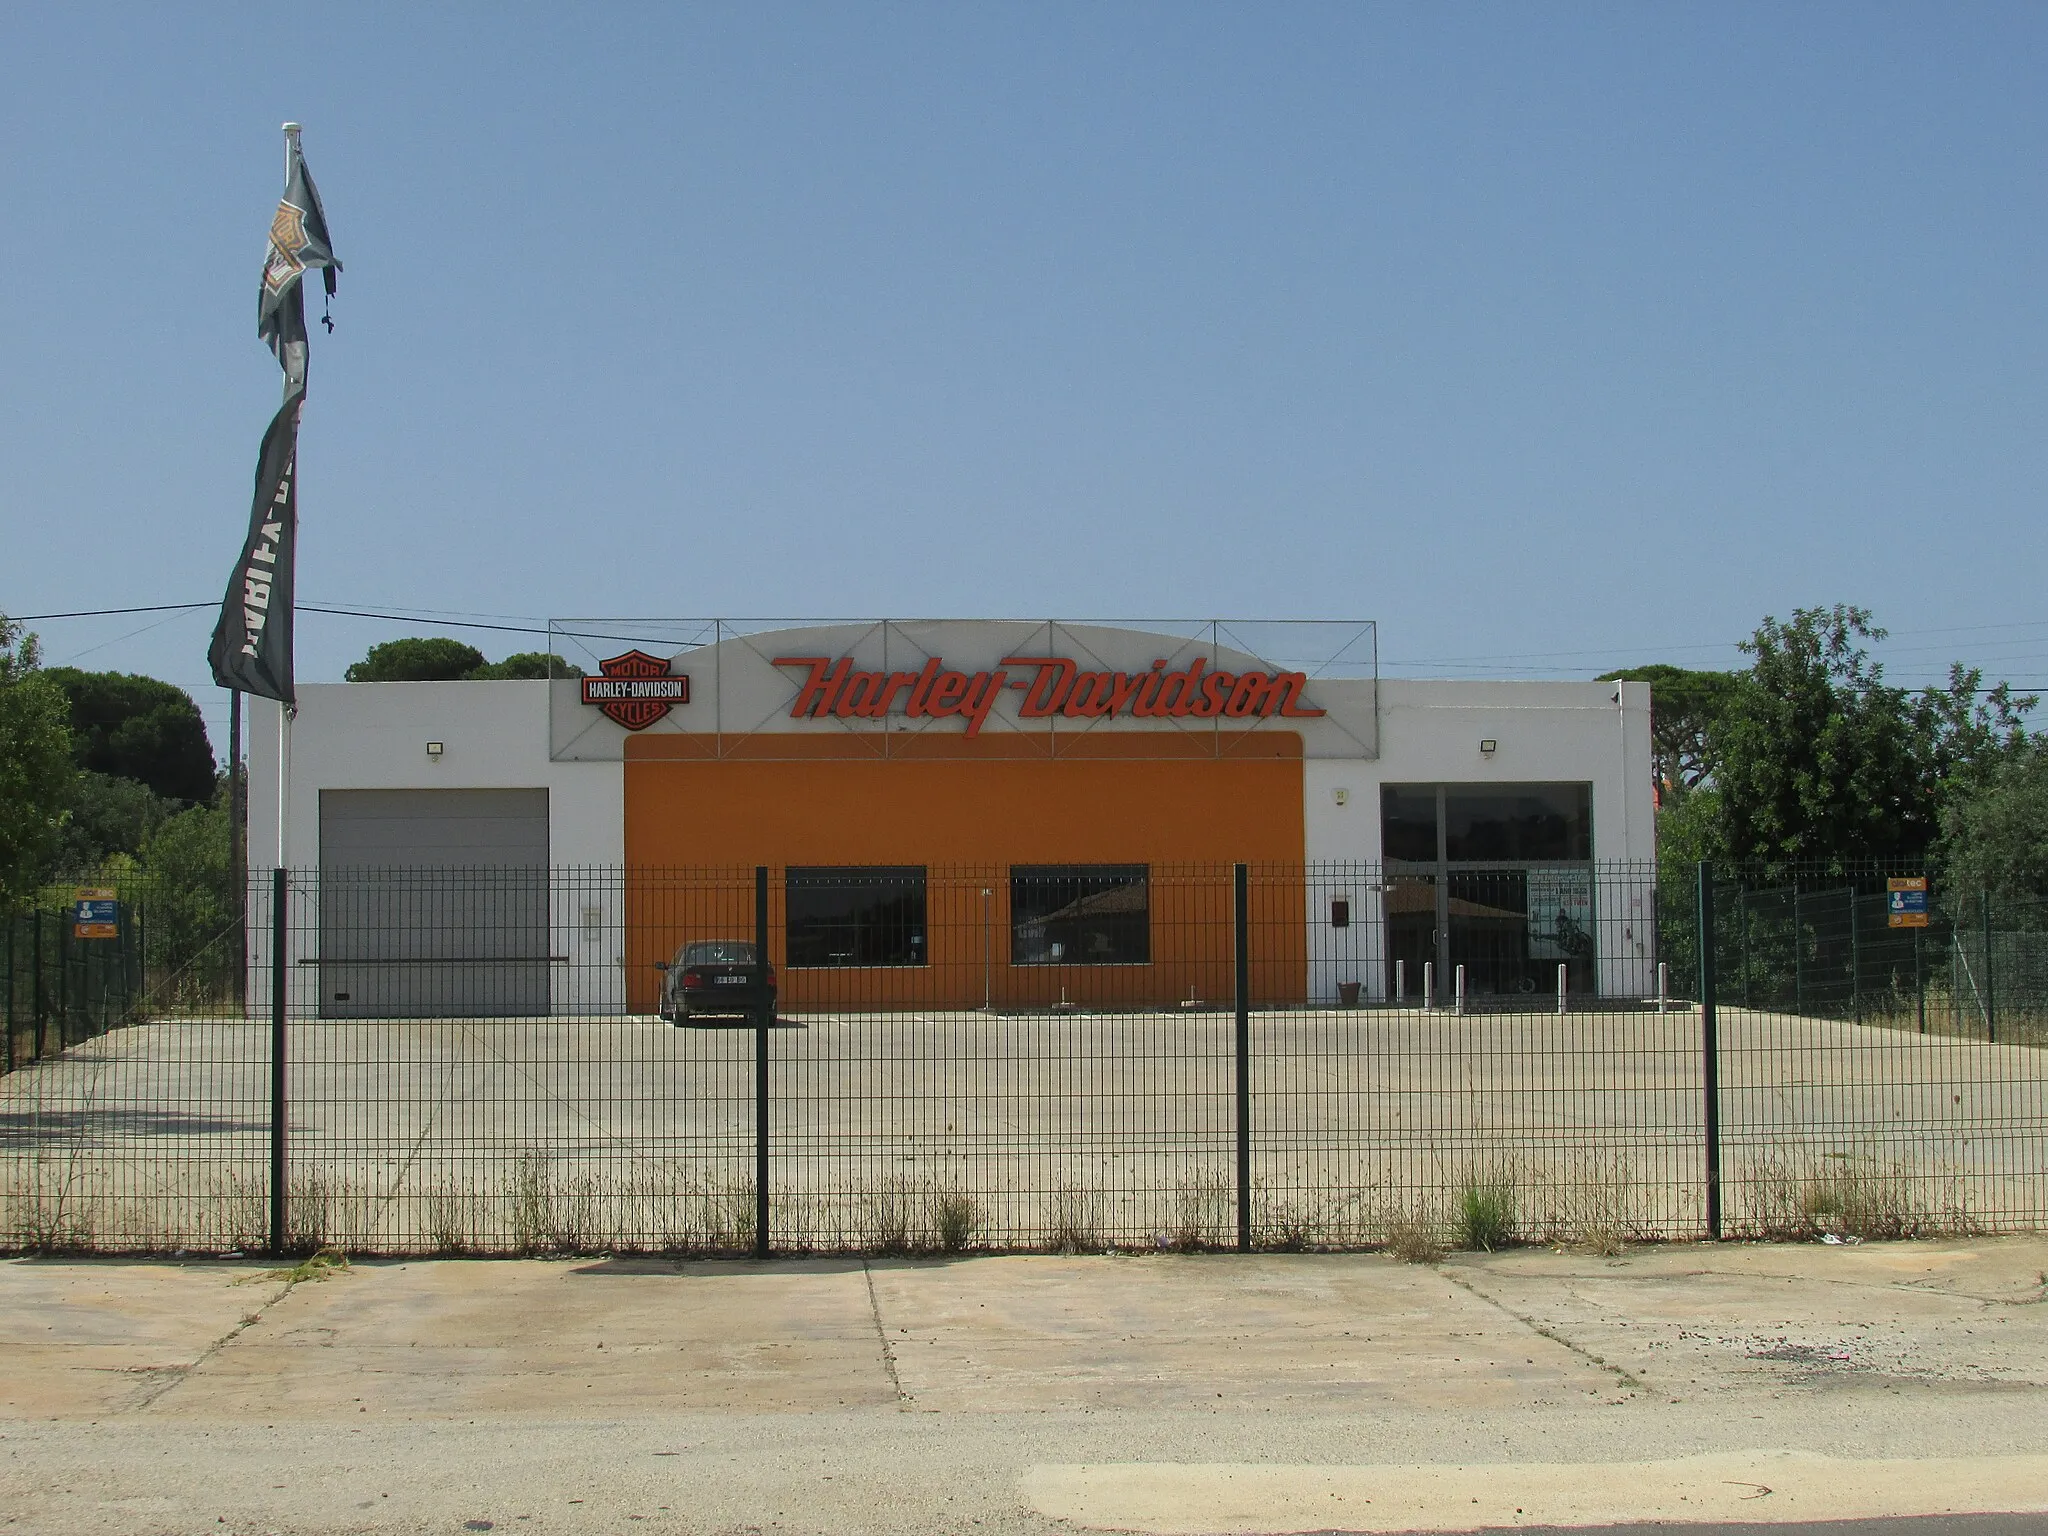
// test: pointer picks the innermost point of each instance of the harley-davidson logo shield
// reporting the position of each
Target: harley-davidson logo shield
(635, 689)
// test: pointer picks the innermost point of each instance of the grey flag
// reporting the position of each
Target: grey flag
(298, 242)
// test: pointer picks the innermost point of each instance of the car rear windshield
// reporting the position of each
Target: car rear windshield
(719, 952)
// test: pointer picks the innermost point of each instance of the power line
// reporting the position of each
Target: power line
(1527, 662)
(406, 618)
(101, 613)
(347, 613)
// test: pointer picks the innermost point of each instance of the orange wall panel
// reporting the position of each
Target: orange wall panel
(967, 820)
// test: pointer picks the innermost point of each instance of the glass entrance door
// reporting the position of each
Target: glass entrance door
(1512, 928)
(1496, 878)
(1412, 932)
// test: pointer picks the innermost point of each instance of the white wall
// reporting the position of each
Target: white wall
(493, 735)
(1597, 733)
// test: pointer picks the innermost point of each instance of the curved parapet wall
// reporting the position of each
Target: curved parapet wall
(893, 688)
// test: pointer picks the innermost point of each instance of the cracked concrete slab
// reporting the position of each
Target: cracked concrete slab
(569, 1338)
(1698, 1319)
(1196, 1331)
(88, 1338)
(901, 1395)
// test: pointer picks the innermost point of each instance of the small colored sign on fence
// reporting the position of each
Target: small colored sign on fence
(1906, 901)
(95, 914)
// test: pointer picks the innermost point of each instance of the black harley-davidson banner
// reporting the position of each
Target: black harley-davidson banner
(252, 643)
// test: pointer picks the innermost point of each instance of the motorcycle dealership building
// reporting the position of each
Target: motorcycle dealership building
(957, 813)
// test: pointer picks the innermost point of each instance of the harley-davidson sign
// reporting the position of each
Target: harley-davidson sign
(1052, 686)
(635, 689)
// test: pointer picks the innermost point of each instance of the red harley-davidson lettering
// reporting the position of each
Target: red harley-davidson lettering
(1054, 686)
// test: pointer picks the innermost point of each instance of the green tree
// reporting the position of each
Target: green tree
(35, 767)
(191, 900)
(1995, 833)
(527, 664)
(1966, 731)
(1816, 757)
(1685, 707)
(416, 659)
(419, 659)
(109, 815)
(138, 728)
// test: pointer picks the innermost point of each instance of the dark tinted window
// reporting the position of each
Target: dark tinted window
(717, 952)
(1080, 914)
(857, 916)
(1408, 822)
(1518, 821)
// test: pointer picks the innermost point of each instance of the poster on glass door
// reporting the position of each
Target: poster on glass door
(1560, 913)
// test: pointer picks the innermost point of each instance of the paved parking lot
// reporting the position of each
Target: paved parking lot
(600, 1133)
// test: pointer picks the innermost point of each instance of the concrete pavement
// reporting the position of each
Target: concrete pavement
(1169, 1394)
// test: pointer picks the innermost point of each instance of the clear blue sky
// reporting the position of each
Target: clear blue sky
(1551, 337)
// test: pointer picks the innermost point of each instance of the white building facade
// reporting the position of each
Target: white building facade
(1419, 817)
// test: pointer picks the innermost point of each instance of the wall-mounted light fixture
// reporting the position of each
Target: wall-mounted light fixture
(434, 749)
(1488, 746)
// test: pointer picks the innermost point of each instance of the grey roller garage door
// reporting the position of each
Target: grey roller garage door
(433, 903)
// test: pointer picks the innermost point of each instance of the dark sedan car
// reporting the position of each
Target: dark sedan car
(717, 976)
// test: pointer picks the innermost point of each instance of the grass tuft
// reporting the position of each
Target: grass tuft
(1073, 1218)
(1411, 1238)
(1202, 1204)
(1487, 1209)
(957, 1219)
(1840, 1195)
(911, 1216)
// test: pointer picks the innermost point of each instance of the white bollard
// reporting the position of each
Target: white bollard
(1460, 979)
(1400, 983)
(1429, 983)
(1663, 984)
(1563, 988)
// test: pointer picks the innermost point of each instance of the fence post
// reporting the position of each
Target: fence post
(64, 977)
(1241, 922)
(280, 932)
(1855, 959)
(761, 1022)
(1990, 972)
(1710, 1047)
(39, 1014)
(1798, 953)
(11, 979)
(135, 975)
(1920, 980)
(96, 996)
(1742, 934)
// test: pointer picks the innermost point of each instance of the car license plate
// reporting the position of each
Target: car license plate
(732, 981)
